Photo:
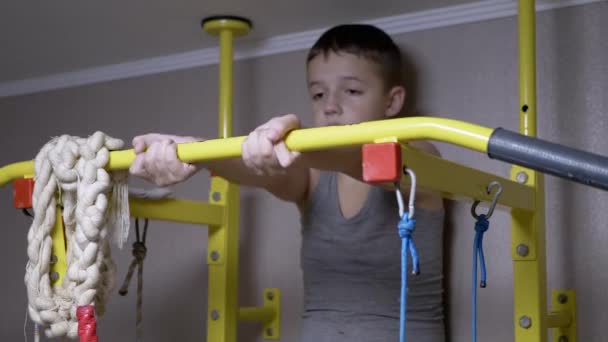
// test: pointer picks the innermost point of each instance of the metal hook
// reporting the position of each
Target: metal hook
(494, 200)
(412, 198)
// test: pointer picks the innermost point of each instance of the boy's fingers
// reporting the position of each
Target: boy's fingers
(250, 154)
(137, 167)
(277, 128)
(245, 155)
(146, 139)
(181, 140)
(266, 149)
(139, 144)
(253, 140)
(284, 155)
(269, 162)
(169, 156)
(151, 157)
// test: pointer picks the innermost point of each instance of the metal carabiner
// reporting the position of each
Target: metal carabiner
(494, 200)
(412, 198)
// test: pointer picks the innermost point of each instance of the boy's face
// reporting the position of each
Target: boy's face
(348, 89)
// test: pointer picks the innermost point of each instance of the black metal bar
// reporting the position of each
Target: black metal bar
(551, 158)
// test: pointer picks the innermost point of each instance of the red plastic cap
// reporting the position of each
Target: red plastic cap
(381, 162)
(23, 189)
(87, 326)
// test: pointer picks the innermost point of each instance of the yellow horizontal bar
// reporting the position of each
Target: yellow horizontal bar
(257, 314)
(559, 319)
(404, 129)
(455, 132)
(175, 210)
(310, 139)
(453, 180)
(16, 171)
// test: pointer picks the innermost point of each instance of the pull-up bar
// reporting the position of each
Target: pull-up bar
(551, 158)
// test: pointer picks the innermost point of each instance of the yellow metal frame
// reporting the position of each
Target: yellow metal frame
(523, 192)
(59, 265)
(528, 242)
(563, 318)
(528, 228)
(471, 184)
(175, 210)
(268, 314)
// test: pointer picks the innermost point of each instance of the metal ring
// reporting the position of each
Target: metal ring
(412, 197)
(494, 200)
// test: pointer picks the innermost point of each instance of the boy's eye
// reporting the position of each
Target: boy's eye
(317, 96)
(353, 92)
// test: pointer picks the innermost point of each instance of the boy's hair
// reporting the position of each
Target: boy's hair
(365, 41)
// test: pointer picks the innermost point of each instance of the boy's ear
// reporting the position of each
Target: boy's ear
(396, 100)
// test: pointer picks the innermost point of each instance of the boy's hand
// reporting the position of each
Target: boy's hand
(156, 159)
(264, 150)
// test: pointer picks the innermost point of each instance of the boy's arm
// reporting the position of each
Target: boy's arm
(290, 185)
(156, 161)
(266, 162)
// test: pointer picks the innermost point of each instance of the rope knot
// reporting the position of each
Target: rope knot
(139, 254)
(406, 227)
(482, 224)
(139, 251)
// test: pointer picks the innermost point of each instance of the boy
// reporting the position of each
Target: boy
(350, 247)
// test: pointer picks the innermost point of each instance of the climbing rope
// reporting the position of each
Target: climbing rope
(481, 226)
(70, 170)
(406, 227)
(139, 254)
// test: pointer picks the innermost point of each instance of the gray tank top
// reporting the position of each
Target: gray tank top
(352, 270)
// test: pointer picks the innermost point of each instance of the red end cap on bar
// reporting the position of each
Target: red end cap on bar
(381, 162)
(23, 189)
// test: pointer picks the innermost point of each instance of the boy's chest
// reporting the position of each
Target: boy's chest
(352, 195)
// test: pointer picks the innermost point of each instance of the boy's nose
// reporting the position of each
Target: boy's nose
(331, 106)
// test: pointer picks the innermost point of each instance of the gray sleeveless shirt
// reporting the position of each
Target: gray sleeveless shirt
(352, 270)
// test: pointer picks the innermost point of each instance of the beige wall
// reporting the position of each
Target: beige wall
(467, 72)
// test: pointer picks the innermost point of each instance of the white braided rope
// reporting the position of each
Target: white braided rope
(74, 168)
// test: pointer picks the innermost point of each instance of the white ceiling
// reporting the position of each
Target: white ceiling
(40, 38)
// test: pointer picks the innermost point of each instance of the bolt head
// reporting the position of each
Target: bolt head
(215, 315)
(522, 177)
(525, 322)
(523, 250)
(215, 255)
(562, 298)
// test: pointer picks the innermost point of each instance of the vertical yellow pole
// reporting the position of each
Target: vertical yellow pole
(527, 67)
(225, 91)
(528, 228)
(223, 254)
(58, 251)
(223, 265)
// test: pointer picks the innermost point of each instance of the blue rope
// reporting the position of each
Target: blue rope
(406, 228)
(481, 226)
